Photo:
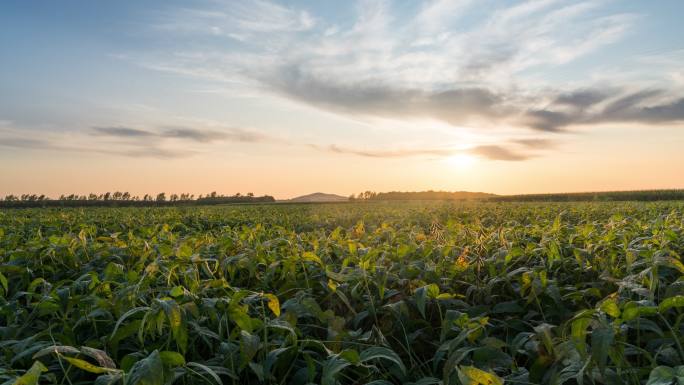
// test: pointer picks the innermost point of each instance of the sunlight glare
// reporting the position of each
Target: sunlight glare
(461, 160)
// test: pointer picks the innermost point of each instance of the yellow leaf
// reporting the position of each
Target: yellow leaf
(309, 256)
(470, 375)
(87, 366)
(273, 304)
(610, 307)
(32, 376)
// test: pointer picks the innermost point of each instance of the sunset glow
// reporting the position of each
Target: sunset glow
(286, 98)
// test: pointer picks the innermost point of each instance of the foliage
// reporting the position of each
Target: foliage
(369, 293)
(638, 195)
(125, 199)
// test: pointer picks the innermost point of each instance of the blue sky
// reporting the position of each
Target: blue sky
(289, 97)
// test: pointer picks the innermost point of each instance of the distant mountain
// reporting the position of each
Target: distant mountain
(319, 197)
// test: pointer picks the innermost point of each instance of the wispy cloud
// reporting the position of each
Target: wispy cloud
(238, 20)
(496, 152)
(126, 132)
(649, 106)
(162, 143)
(426, 66)
(24, 143)
(186, 133)
(490, 152)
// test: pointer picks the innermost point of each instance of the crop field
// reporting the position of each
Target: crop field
(360, 293)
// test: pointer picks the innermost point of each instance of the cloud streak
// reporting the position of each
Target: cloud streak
(137, 143)
(650, 106)
(186, 133)
(45, 145)
(489, 152)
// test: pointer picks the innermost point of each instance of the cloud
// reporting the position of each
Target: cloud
(496, 152)
(46, 145)
(161, 143)
(19, 142)
(481, 106)
(202, 136)
(490, 152)
(186, 133)
(388, 153)
(582, 98)
(648, 106)
(425, 66)
(535, 143)
(456, 106)
(238, 20)
(125, 132)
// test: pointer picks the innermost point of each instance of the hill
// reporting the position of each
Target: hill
(319, 197)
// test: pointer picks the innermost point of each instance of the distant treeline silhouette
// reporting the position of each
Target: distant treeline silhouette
(637, 195)
(418, 195)
(119, 199)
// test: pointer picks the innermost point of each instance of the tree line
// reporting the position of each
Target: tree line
(119, 198)
(636, 195)
(418, 195)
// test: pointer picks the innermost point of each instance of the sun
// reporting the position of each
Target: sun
(461, 160)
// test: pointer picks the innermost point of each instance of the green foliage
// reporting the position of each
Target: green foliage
(361, 293)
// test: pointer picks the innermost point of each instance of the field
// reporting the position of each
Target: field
(359, 293)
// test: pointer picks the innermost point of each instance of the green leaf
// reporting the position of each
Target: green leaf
(173, 314)
(470, 375)
(3, 282)
(428, 381)
(634, 310)
(601, 340)
(126, 315)
(331, 367)
(56, 349)
(32, 376)
(207, 370)
(249, 346)
(240, 317)
(423, 293)
(578, 332)
(661, 375)
(379, 352)
(668, 303)
(148, 371)
(172, 359)
(350, 355)
(108, 379)
(100, 356)
(177, 291)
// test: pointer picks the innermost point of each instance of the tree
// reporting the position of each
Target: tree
(161, 197)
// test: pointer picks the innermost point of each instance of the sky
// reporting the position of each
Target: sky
(293, 97)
